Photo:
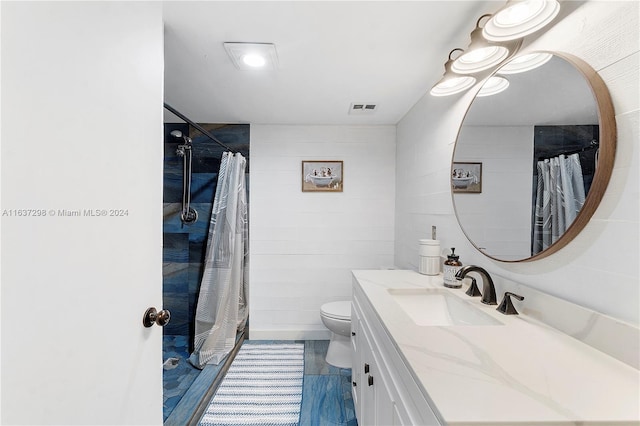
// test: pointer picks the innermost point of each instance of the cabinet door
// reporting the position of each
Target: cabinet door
(384, 404)
(377, 403)
(367, 390)
(356, 362)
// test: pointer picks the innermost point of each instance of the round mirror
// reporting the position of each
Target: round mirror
(532, 162)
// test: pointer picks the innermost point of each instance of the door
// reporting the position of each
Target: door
(81, 206)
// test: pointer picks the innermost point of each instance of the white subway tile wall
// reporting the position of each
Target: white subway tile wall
(303, 245)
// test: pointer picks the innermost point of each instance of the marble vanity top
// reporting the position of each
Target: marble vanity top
(519, 372)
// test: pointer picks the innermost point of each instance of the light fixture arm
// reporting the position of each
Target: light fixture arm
(452, 83)
(483, 54)
(486, 15)
(451, 53)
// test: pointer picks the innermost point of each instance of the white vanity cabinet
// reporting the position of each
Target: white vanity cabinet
(384, 392)
(517, 371)
(372, 399)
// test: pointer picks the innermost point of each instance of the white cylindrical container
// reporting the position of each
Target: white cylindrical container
(429, 257)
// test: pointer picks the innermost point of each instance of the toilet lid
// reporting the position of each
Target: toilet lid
(338, 310)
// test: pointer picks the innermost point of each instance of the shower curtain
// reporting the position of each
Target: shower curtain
(559, 197)
(222, 307)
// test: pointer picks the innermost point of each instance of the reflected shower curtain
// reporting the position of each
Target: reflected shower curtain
(222, 308)
(559, 197)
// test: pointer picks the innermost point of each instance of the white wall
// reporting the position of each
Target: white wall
(599, 269)
(81, 130)
(304, 245)
(506, 154)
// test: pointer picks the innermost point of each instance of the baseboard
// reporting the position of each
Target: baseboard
(289, 334)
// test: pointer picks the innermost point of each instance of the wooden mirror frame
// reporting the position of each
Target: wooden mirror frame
(606, 159)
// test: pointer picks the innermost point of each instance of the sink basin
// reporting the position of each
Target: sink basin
(429, 307)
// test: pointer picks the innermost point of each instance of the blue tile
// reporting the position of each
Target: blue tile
(195, 276)
(199, 230)
(175, 277)
(327, 398)
(197, 250)
(322, 402)
(207, 153)
(203, 186)
(173, 224)
(345, 372)
(172, 182)
(315, 352)
(229, 134)
(178, 305)
(175, 247)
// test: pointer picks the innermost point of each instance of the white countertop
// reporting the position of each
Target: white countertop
(521, 372)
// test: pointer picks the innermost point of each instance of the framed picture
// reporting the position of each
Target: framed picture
(322, 176)
(466, 178)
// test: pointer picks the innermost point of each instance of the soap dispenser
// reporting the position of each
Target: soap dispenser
(451, 266)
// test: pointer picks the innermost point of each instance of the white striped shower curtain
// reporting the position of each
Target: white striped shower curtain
(222, 307)
(559, 198)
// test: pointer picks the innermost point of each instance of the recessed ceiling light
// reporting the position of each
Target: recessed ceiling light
(254, 60)
(252, 56)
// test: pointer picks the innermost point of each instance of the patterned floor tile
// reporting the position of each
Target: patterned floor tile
(177, 380)
(326, 394)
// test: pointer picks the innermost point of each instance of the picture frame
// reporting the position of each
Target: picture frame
(466, 178)
(322, 176)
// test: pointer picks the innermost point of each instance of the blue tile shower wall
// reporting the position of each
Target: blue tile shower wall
(184, 246)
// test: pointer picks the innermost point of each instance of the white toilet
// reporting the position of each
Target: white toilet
(336, 316)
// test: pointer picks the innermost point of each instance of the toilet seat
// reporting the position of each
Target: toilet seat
(337, 310)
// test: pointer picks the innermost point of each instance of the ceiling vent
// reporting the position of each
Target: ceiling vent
(358, 108)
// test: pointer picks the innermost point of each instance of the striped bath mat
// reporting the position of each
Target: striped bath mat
(262, 387)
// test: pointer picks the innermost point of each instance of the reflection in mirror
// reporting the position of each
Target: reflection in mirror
(542, 131)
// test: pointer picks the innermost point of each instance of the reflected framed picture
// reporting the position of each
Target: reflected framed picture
(466, 178)
(322, 176)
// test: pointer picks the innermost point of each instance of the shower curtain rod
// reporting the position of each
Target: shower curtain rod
(197, 126)
(594, 145)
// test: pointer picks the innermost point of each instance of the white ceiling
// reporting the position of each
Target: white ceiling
(554, 94)
(331, 53)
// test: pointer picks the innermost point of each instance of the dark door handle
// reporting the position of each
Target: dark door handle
(152, 316)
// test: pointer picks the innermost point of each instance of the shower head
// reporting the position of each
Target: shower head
(179, 135)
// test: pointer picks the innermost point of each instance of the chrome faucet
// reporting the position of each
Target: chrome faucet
(488, 289)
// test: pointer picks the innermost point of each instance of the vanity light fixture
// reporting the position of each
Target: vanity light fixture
(493, 86)
(452, 83)
(519, 18)
(525, 63)
(483, 54)
(252, 56)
